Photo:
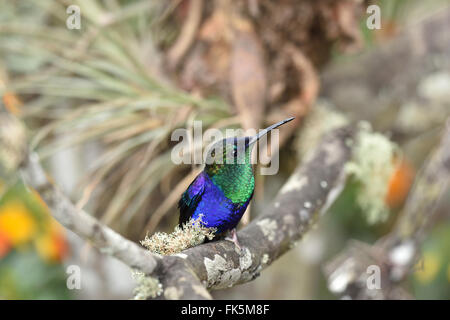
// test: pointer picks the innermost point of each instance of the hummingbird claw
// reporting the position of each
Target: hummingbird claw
(234, 238)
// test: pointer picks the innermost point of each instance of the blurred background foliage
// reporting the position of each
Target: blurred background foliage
(32, 246)
(113, 92)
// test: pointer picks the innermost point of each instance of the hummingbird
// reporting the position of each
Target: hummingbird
(220, 194)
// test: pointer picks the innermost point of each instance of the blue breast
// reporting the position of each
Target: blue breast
(217, 210)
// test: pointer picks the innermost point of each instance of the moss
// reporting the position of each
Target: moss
(192, 234)
(147, 287)
(372, 166)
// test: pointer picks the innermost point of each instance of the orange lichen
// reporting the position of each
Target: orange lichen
(399, 184)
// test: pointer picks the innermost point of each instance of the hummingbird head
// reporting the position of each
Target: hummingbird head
(232, 155)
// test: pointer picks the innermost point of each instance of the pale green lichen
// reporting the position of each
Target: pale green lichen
(265, 259)
(192, 234)
(322, 118)
(268, 227)
(372, 165)
(295, 183)
(221, 274)
(435, 86)
(415, 117)
(146, 286)
(431, 109)
(173, 293)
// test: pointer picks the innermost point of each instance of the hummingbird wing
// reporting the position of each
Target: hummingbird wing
(190, 200)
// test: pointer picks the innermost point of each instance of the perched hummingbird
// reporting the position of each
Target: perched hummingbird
(223, 190)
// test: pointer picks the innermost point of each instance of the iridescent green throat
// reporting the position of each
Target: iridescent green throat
(235, 180)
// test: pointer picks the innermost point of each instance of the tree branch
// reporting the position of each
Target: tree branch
(397, 253)
(308, 193)
(298, 205)
(83, 224)
(428, 189)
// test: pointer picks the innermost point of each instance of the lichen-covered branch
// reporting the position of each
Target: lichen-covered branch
(179, 280)
(83, 224)
(215, 265)
(396, 253)
(417, 217)
(307, 194)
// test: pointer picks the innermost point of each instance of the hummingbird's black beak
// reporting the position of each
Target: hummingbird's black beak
(254, 139)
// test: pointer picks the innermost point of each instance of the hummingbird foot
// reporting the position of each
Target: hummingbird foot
(233, 238)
